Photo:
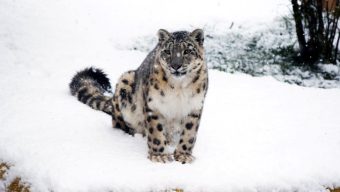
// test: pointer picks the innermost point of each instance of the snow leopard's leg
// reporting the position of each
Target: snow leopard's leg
(117, 119)
(190, 124)
(122, 100)
(156, 137)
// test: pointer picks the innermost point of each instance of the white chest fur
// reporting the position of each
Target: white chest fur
(174, 106)
(177, 102)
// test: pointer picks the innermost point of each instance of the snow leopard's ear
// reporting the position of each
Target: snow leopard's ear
(198, 36)
(163, 35)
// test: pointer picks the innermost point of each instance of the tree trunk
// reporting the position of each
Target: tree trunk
(316, 29)
(299, 27)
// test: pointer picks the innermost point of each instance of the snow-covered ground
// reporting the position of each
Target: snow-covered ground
(257, 134)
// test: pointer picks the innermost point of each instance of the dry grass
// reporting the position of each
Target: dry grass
(3, 169)
(179, 190)
(16, 185)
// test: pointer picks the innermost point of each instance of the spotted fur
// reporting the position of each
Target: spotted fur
(89, 86)
(162, 99)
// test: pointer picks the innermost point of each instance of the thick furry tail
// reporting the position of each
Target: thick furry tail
(90, 86)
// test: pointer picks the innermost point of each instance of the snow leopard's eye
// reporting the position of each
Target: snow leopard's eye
(167, 51)
(187, 51)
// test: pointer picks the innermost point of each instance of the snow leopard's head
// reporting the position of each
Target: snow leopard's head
(181, 52)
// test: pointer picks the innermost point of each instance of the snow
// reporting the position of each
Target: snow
(257, 134)
(329, 68)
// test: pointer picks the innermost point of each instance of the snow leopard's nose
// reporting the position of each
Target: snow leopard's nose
(176, 63)
(175, 66)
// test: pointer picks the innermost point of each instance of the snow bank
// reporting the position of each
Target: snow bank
(256, 134)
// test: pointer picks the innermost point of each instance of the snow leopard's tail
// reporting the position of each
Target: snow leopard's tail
(90, 86)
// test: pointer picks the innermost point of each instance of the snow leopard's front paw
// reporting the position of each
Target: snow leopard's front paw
(184, 157)
(160, 158)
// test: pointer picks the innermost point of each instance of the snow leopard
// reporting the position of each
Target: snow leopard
(162, 99)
